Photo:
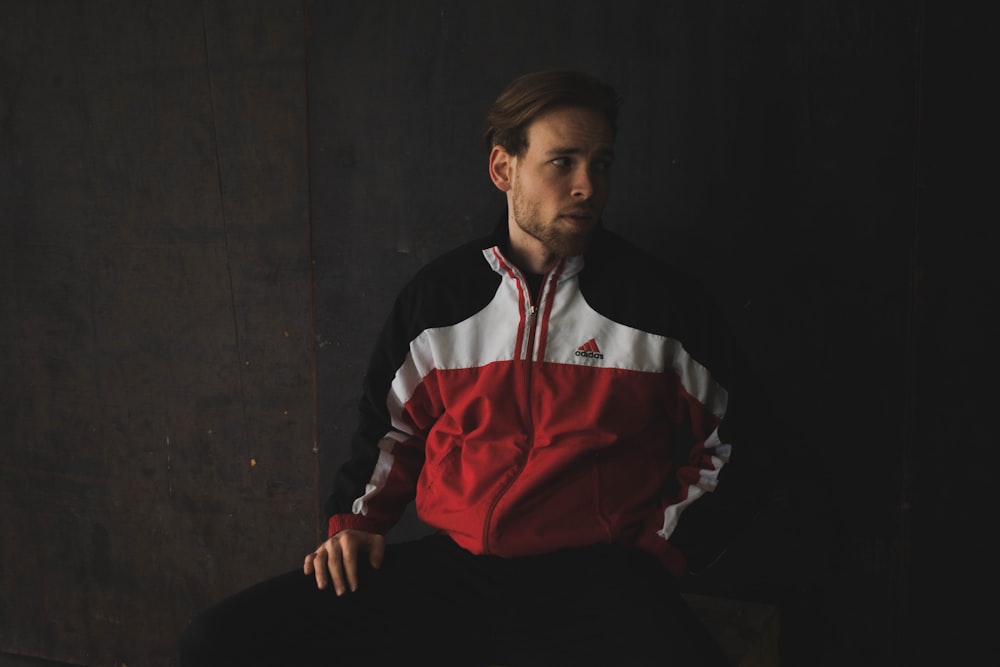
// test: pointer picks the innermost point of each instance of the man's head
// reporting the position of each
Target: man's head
(551, 143)
(530, 95)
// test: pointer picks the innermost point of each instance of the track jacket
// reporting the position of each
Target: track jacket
(594, 413)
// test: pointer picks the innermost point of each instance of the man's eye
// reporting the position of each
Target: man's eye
(602, 165)
(561, 162)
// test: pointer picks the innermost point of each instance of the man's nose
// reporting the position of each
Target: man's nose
(583, 183)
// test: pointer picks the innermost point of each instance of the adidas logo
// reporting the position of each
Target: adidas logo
(589, 350)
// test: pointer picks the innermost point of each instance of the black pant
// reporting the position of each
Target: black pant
(434, 603)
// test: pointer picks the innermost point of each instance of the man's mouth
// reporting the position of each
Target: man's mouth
(579, 217)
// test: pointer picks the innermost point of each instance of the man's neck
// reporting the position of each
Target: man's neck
(528, 253)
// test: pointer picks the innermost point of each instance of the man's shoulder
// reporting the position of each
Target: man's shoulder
(459, 261)
(449, 288)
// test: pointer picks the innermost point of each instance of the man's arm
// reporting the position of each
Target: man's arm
(747, 432)
(372, 489)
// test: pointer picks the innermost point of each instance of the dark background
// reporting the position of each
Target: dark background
(207, 207)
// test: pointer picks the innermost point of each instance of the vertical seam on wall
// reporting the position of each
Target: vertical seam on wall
(911, 339)
(229, 263)
(313, 308)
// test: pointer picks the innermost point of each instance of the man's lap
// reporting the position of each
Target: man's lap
(432, 601)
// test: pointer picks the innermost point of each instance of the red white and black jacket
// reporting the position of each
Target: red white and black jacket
(598, 412)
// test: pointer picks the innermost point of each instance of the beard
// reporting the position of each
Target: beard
(562, 240)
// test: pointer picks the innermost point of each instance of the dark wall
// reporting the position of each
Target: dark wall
(156, 404)
(949, 561)
(168, 170)
(771, 148)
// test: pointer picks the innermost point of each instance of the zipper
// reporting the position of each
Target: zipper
(530, 313)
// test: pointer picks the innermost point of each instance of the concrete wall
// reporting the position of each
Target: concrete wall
(157, 398)
(175, 177)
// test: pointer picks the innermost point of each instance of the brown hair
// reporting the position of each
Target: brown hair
(527, 96)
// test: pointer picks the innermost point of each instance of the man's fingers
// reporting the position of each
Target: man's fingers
(307, 565)
(336, 560)
(350, 552)
(334, 563)
(321, 563)
(376, 552)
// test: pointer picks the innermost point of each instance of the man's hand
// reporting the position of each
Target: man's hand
(337, 558)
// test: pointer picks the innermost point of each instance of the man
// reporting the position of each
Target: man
(564, 410)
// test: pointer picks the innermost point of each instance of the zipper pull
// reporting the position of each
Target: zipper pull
(531, 310)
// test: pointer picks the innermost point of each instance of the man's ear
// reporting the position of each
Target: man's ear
(501, 165)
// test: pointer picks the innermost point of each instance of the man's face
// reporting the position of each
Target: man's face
(560, 183)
